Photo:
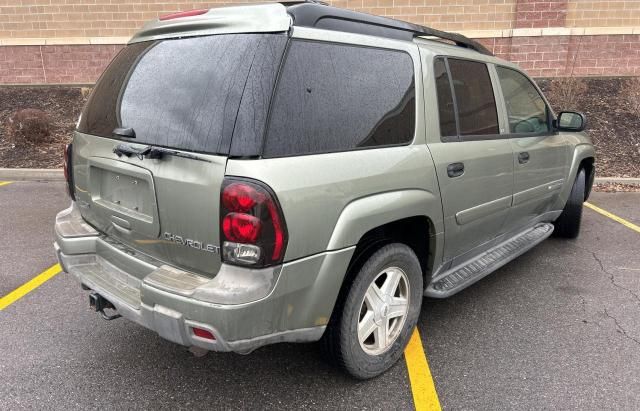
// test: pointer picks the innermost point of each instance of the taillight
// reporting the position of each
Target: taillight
(181, 14)
(252, 227)
(68, 171)
(243, 228)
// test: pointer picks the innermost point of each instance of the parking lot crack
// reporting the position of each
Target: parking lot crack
(611, 276)
(620, 329)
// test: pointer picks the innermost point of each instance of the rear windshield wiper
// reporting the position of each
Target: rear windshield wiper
(152, 152)
(127, 150)
(124, 132)
(159, 152)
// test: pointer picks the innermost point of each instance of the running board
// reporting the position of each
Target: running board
(460, 277)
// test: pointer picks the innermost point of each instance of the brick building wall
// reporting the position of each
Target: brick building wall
(532, 14)
(603, 13)
(70, 41)
(563, 56)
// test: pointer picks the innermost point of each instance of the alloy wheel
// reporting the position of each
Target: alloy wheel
(383, 311)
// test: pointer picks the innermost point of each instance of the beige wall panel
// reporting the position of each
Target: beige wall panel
(64, 18)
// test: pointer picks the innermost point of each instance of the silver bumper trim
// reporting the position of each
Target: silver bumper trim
(173, 326)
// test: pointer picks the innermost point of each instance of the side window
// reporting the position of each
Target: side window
(333, 97)
(446, 108)
(526, 108)
(477, 113)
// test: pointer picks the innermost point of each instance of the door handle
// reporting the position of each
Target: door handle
(523, 157)
(455, 169)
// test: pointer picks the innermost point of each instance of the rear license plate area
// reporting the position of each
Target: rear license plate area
(125, 194)
(123, 198)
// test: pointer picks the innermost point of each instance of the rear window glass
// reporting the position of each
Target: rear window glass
(333, 97)
(186, 93)
(100, 116)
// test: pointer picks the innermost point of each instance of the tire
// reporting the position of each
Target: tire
(361, 307)
(568, 224)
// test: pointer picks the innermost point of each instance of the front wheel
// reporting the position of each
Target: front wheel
(369, 333)
(568, 224)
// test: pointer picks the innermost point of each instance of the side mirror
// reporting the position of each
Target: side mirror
(570, 121)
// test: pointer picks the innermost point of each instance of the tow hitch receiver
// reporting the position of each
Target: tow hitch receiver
(99, 304)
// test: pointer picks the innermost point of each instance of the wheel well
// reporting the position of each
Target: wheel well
(412, 231)
(589, 168)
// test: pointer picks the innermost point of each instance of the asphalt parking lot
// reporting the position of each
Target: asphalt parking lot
(558, 327)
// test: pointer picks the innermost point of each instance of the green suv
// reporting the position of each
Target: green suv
(251, 175)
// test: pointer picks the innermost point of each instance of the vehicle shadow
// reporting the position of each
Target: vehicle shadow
(136, 360)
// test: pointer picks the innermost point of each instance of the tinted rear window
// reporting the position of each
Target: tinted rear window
(477, 114)
(333, 97)
(446, 108)
(187, 93)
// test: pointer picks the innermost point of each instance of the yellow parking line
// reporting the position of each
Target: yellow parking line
(424, 392)
(613, 217)
(29, 286)
(4, 183)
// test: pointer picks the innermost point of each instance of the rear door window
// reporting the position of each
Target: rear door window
(187, 93)
(332, 97)
(446, 108)
(477, 113)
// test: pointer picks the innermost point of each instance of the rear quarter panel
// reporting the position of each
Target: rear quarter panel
(330, 200)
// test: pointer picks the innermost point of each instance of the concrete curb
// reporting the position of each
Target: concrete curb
(617, 180)
(31, 174)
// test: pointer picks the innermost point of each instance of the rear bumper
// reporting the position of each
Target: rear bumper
(244, 309)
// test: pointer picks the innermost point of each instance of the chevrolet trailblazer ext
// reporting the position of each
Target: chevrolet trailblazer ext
(251, 175)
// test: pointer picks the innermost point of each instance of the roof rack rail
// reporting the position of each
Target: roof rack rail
(316, 14)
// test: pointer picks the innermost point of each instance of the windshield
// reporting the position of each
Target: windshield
(185, 93)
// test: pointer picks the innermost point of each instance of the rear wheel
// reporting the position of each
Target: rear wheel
(373, 322)
(568, 224)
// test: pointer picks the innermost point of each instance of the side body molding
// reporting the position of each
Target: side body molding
(367, 213)
(482, 210)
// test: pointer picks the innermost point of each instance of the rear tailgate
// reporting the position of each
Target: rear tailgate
(199, 99)
(167, 208)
